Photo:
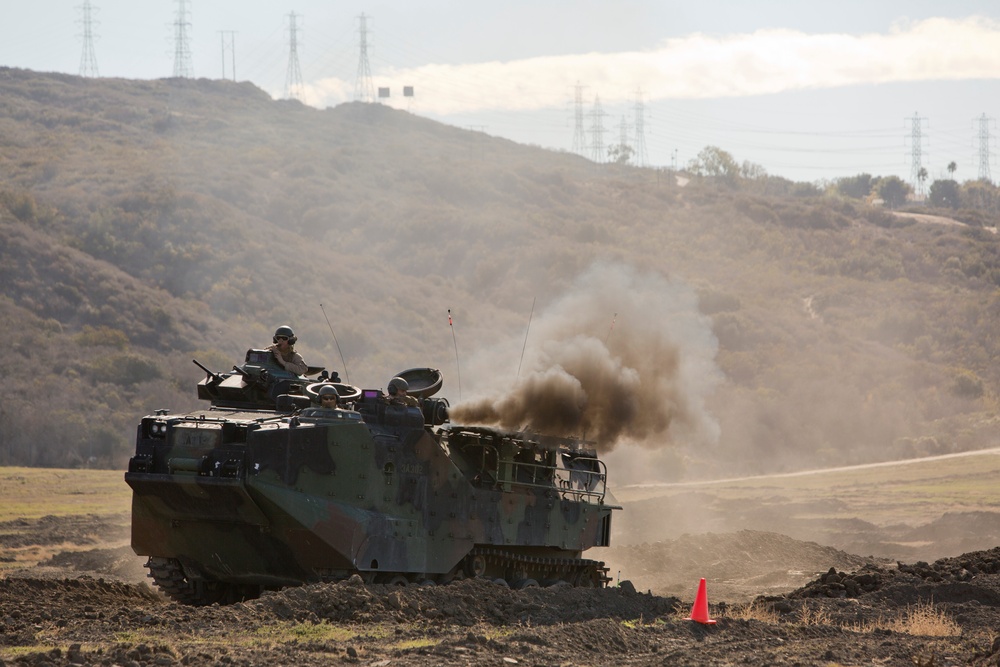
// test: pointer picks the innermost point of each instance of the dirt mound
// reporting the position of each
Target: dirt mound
(28, 605)
(468, 603)
(959, 579)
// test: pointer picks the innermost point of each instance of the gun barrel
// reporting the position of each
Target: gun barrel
(215, 376)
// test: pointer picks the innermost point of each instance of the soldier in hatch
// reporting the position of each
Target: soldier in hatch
(328, 397)
(399, 393)
(284, 351)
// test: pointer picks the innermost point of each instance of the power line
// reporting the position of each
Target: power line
(182, 50)
(364, 88)
(293, 77)
(88, 59)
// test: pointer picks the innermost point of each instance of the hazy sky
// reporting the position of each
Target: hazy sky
(807, 90)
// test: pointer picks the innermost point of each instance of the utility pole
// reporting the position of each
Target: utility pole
(481, 130)
(640, 129)
(984, 148)
(293, 77)
(364, 88)
(579, 138)
(232, 50)
(182, 51)
(916, 153)
(88, 60)
(597, 131)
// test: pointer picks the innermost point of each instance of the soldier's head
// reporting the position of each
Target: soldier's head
(328, 396)
(398, 387)
(282, 334)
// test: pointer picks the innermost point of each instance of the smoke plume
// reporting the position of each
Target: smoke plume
(623, 356)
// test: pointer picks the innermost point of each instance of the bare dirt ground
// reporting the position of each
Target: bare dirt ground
(74, 594)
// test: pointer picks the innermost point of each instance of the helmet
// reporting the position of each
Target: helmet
(284, 330)
(397, 383)
(326, 390)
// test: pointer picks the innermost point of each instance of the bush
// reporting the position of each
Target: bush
(967, 384)
(712, 301)
(124, 369)
(96, 336)
(20, 204)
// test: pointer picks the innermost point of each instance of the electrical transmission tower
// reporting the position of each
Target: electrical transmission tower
(579, 138)
(623, 151)
(293, 77)
(88, 60)
(597, 131)
(917, 171)
(364, 88)
(232, 50)
(640, 129)
(984, 148)
(182, 50)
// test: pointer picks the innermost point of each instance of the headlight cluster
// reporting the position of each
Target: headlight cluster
(158, 430)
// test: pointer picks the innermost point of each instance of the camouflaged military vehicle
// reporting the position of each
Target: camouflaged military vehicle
(265, 489)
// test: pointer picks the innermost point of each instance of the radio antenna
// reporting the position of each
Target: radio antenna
(457, 368)
(342, 360)
(525, 339)
(611, 328)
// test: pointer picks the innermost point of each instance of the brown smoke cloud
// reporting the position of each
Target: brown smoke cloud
(624, 356)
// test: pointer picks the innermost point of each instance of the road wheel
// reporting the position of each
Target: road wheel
(475, 566)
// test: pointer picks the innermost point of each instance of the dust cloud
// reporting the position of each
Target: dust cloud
(623, 356)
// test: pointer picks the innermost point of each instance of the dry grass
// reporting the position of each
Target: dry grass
(814, 616)
(423, 642)
(31, 493)
(304, 632)
(922, 619)
(754, 611)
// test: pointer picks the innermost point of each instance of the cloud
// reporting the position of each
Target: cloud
(702, 66)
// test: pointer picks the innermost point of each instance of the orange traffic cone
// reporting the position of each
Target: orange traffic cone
(699, 612)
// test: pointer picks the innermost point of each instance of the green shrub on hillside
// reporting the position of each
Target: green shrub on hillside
(123, 369)
(21, 205)
(967, 384)
(102, 335)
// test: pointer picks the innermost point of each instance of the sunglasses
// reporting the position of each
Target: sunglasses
(328, 397)
(281, 337)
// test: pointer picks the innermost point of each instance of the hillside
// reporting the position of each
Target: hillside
(706, 328)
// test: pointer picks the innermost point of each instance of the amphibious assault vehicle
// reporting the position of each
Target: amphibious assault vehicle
(265, 489)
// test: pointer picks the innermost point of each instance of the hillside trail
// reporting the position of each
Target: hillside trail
(936, 220)
(812, 471)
